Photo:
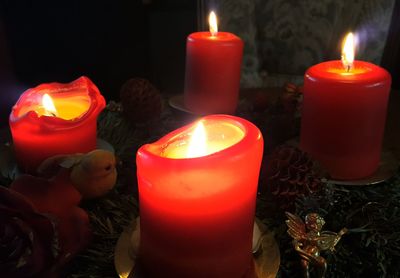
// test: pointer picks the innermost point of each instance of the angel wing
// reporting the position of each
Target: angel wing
(296, 227)
(328, 240)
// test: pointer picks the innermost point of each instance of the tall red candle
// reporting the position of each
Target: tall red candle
(343, 116)
(197, 202)
(68, 126)
(212, 79)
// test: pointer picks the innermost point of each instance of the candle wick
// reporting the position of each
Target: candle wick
(348, 68)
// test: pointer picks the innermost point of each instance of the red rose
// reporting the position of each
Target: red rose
(27, 238)
(41, 226)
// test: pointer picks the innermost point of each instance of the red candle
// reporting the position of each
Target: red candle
(212, 79)
(53, 119)
(343, 117)
(197, 191)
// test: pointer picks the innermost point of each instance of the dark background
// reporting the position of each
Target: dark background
(108, 41)
(391, 55)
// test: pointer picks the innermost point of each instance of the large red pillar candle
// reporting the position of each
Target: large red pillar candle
(343, 116)
(212, 79)
(197, 194)
(53, 119)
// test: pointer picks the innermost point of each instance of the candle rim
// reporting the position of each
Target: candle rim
(97, 104)
(373, 73)
(251, 134)
(206, 36)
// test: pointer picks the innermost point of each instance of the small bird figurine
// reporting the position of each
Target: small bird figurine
(93, 174)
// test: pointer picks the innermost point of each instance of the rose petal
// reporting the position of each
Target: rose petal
(48, 274)
(15, 247)
(35, 257)
(13, 244)
(74, 233)
(30, 236)
(50, 196)
(59, 199)
(13, 199)
(34, 247)
(40, 223)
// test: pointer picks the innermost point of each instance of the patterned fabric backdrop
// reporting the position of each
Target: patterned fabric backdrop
(284, 37)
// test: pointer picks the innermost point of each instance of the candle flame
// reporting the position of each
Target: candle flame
(198, 142)
(348, 50)
(212, 21)
(48, 105)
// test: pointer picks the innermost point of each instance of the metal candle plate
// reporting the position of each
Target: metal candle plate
(266, 256)
(387, 169)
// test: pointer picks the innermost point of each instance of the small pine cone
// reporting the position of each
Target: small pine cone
(141, 100)
(114, 106)
(290, 88)
(291, 98)
(290, 173)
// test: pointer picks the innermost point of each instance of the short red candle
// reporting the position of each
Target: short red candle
(197, 213)
(37, 134)
(343, 117)
(212, 78)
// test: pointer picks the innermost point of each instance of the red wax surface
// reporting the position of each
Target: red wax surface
(212, 72)
(197, 214)
(37, 136)
(343, 117)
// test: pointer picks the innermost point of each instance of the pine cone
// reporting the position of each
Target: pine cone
(291, 98)
(289, 173)
(141, 100)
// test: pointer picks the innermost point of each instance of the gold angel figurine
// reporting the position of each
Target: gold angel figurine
(309, 241)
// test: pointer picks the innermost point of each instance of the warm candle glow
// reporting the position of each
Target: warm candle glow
(204, 138)
(212, 21)
(348, 52)
(198, 142)
(48, 105)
